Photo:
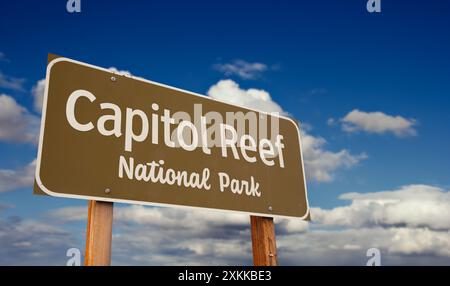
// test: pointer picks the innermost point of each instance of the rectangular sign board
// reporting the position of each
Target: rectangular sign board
(114, 137)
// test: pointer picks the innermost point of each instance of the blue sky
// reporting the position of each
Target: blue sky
(323, 59)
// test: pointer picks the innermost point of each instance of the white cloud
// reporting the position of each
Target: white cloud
(172, 236)
(11, 83)
(320, 164)
(175, 236)
(409, 225)
(291, 226)
(38, 93)
(185, 236)
(229, 91)
(378, 122)
(411, 206)
(32, 242)
(19, 178)
(158, 216)
(164, 217)
(241, 68)
(71, 214)
(4, 206)
(16, 123)
(398, 246)
(405, 233)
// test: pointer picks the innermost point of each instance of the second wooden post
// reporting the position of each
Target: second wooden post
(263, 241)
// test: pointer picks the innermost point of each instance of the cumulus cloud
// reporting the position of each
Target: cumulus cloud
(18, 178)
(229, 91)
(72, 214)
(12, 83)
(398, 246)
(411, 206)
(16, 123)
(409, 225)
(379, 123)
(242, 69)
(158, 216)
(320, 164)
(392, 221)
(32, 242)
(4, 206)
(187, 236)
(175, 236)
(38, 93)
(168, 236)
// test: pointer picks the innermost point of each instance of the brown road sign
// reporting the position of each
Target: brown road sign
(114, 137)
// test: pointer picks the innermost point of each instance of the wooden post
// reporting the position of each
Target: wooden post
(263, 241)
(99, 234)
